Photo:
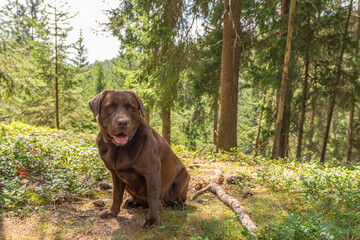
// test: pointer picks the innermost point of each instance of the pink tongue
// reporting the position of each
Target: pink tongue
(121, 140)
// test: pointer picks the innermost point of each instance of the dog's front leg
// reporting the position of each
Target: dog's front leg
(118, 192)
(153, 184)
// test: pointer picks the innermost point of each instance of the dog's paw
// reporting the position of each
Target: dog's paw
(151, 223)
(107, 214)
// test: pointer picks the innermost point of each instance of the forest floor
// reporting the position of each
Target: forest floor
(50, 180)
(206, 217)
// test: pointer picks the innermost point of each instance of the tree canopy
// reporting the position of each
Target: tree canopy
(171, 54)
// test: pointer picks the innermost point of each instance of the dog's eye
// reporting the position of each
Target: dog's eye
(109, 107)
(132, 108)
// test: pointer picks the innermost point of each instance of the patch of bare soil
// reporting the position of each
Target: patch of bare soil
(79, 220)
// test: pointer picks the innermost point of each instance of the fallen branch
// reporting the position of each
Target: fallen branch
(242, 214)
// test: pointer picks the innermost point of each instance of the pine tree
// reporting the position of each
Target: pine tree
(282, 93)
(34, 8)
(81, 59)
(335, 83)
(59, 21)
(14, 51)
(230, 62)
(100, 78)
(352, 97)
(162, 56)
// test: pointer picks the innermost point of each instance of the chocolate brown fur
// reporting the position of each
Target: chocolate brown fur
(145, 166)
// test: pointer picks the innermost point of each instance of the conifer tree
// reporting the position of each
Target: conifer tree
(335, 83)
(59, 17)
(230, 62)
(282, 93)
(100, 78)
(81, 59)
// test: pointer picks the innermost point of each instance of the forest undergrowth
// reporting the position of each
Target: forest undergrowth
(50, 179)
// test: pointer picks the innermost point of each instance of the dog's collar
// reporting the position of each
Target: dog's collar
(132, 135)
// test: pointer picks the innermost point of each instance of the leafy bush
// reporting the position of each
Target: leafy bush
(296, 227)
(41, 164)
(331, 190)
(312, 180)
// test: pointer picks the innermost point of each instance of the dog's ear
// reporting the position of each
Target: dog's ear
(95, 102)
(140, 102)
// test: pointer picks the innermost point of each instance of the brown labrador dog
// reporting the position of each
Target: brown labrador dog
(139, 159)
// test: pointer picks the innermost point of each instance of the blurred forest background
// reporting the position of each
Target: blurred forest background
(171, 55)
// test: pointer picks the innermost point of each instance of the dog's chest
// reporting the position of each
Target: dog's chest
(130, 177)
(117, 160)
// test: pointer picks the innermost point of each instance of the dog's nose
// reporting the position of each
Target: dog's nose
(122, 122)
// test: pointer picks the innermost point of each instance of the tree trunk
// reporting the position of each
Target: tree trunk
(282, 95)
(311, 127)
(352, 100)
(304, 97)
(284, 11)
(215, 120)
(285, 132)
(230, 62)
(327, 128)
(166, 121)
(284, 138)
(56, 74)
(335, 83)
(259, 127)
(284, 17)
(350, 130)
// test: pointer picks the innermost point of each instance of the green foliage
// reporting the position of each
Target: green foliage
(295, 227)
(325, 205)
(100, 85)
(331, 190)
(171, 56)
(14, 50)
(41, 165)
(340, 183)
(81, 60)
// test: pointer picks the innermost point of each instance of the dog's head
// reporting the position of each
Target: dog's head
(118, 114)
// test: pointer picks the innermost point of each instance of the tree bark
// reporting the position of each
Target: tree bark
(335, 83)
(327, 128)
(284, 16)
(166, 123)
(284, 11)
(282, 95)
(230, 62)
(284, 138)
(56, 74)
(215, 120)
(304, 97)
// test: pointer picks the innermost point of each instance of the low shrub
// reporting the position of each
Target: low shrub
(39, 165)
